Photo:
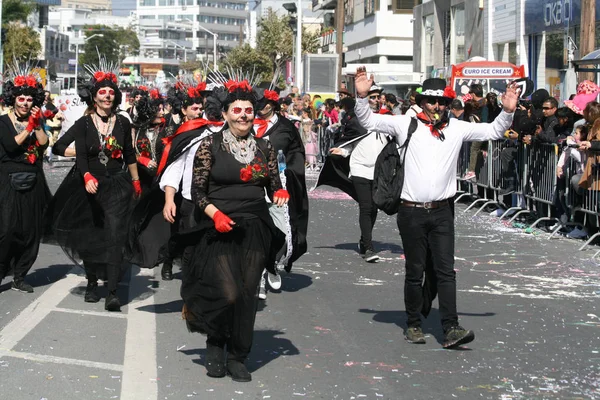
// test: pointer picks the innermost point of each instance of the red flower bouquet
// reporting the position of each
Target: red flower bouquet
(252, 173)
(20, 80)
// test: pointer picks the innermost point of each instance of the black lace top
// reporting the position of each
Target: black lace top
(87, 147)
(28, 155)
(217, 178)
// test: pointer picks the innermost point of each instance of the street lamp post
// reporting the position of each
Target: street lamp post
(215, 36)
(77, 56)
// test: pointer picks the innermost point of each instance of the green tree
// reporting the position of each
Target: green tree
(275, 39)
(21, 44)
(115, 44)
(248, 59)
(16, 10)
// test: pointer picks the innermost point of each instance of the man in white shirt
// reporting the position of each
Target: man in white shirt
(425, 217)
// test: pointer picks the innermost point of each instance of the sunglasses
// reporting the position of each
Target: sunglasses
(434, 100)
(374, 97)
(238, 110)
(103, 92)
(23, 99)
(547, 108)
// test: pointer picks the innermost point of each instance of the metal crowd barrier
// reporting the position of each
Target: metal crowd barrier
(463, 187)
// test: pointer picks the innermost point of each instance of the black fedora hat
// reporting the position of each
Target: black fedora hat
(433, 87)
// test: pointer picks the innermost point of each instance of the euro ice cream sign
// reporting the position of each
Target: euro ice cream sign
(487, 71)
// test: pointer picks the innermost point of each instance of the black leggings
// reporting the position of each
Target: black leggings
(367, 211)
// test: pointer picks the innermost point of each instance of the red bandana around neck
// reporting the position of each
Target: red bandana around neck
(435, 128)
(260, 126)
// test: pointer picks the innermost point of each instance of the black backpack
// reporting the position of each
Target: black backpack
(389, 173)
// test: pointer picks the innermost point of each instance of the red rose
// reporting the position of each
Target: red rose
(20, 80)
(111, 77)
(145, 154)
(99, 76)
(116, 154)
(108, 146)
(246, 174)
(271, 95)
(31, 81)
(31, 158)
(144, 88)
(30, 148)
(191, 92)
(256, 167)
(201, 86)
(154, 94)
(37, 143)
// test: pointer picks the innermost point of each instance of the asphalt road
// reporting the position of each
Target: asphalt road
(334, 331)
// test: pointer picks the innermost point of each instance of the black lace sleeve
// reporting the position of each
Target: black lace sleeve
(275, 182)
(201, 173)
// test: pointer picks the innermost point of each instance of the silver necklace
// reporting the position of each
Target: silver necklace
(102, 157)
(243, 150)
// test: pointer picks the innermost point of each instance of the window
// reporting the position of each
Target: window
(147, 3)
(405, 6)
(147, 16)
(370, 7)
(187, 2)
(166, 2)
(457, 38)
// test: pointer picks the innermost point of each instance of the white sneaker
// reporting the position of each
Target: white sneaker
(274, 281)
(498, 212)
(578, 233)
(262, 291)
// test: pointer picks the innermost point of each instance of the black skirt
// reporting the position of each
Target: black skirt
(224, 267)
(91, 227)
(22, 212)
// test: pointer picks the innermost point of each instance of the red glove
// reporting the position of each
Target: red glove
(282, 194)
(34, 122)
(144, 160)
(137, 187)
(89, 177)
(222, 222)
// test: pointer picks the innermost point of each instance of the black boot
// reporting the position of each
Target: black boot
(112, 302)
(167, 271)
(91, 292)
(215, 359)
(238, 371)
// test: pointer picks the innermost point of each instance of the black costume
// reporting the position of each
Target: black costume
(24, 195)
(93, 227)
(220, 285)
(284, 136)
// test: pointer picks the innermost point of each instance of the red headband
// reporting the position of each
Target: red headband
(232, 86)
(103, 76)
(28, 80)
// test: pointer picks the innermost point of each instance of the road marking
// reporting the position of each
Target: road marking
(34, 313)
(140, 368)
(61, 360)
(91, 313)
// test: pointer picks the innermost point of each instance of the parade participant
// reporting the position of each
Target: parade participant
(292, 219)
(147, 134)
(23, 189)
(363, 154)
(90, 210)
(235, 237)
(425, 216)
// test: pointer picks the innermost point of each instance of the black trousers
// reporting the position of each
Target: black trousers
(432, 230)
(187, 220)
(109, 272)
(19, 250)
(367, 211)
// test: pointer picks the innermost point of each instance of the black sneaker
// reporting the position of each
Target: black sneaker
(21, 286)
(370, 256)
(91, 293)
(415, 335)
(238, 371)
(166, 272)
(361, 248)
(457, 336)
(112, 302)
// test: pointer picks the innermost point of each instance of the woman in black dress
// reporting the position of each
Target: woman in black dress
(91, 207)
(149, 127)
(24, 193)
(235, 237)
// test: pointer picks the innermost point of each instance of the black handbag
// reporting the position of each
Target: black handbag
(22, 181)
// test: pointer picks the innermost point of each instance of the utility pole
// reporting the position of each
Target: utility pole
(340, 15)
(299, 80)
(1, 48)
(586, 42)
